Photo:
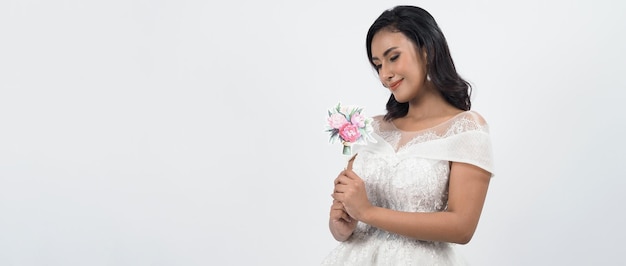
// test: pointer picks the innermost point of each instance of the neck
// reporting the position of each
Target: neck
(429, 103)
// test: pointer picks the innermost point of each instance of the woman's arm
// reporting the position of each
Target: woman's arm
(467, 191)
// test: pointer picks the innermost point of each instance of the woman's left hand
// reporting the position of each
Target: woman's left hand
(350, 191)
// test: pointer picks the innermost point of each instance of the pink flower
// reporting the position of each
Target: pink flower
(349, 132)
(358, 120)
(337, 121)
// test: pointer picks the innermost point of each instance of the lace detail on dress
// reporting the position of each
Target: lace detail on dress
(465, 123)
(385, 131)
(399, 140)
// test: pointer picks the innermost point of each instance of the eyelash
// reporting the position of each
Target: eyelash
(392, 59)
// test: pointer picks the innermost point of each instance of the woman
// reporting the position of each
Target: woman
(404, 199)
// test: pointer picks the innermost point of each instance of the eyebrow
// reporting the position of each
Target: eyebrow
(385, 53)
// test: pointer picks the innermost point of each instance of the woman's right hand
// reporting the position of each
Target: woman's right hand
(341, 224)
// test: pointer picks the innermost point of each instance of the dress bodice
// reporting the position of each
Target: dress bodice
(407, 171)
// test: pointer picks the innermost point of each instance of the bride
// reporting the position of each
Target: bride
(407, 198)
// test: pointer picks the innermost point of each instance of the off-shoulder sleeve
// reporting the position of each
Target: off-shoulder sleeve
(469, 144)
(472, 147)
(463, 139)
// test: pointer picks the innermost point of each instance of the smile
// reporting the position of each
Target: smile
(395, 85)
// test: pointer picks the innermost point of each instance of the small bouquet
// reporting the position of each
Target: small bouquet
(348, 125)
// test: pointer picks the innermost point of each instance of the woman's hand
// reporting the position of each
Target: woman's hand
(350, 192)
(341, 224)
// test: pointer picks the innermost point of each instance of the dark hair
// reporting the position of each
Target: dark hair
(420, 27)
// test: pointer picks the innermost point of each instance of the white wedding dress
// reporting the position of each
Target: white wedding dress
(408, 171)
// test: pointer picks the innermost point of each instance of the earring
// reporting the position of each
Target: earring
(428, 77)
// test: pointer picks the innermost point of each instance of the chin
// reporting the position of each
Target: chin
(400, 98)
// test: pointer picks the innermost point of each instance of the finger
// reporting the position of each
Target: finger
(351, 162)
(346, 217)
(338, 179)
(336, 216)
(337, 206)
(341, 188)
(351, 175)
(342, 180)
(342, 173)
(337, 196)
(337, 210)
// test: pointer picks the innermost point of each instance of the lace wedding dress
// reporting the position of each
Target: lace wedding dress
(408, 171)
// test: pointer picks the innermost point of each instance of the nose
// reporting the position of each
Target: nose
(385, 73)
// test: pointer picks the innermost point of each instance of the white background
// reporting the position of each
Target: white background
(191, 132)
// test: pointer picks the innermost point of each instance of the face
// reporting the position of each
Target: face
(401, 68)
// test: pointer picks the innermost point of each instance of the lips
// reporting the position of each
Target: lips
(393, 86)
